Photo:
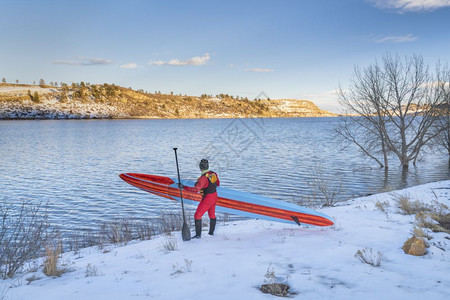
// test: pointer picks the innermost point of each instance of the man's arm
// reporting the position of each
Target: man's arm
(201, 183)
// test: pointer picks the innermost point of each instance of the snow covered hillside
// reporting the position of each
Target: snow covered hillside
(89, 101)
(19, 106)
(316, 263)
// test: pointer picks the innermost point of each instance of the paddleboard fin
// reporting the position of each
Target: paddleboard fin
(296, 220)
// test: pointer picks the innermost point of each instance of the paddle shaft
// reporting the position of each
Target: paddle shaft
(179, 181)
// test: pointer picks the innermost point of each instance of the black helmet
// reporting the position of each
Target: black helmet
(204, 165)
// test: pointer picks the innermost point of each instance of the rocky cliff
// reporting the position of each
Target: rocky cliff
(84, 101)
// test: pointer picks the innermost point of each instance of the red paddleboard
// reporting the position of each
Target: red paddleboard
(231, 201)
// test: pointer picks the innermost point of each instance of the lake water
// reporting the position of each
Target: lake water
(74, 165)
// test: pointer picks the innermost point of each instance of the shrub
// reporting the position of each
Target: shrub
(382, 206)
(433, 221)
(187, 268)
(91, 271)
(172, 221)
(144, 230)
(36, 97)
(24, 231)
(117, 231)
(328, 188)
(368, 256)
(418, 232)
(409, 207)
(444, 222)
(169, 244)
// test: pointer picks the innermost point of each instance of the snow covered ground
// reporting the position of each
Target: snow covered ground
(316, 263)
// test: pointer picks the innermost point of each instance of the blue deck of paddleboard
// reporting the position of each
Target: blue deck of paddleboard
(254, 199)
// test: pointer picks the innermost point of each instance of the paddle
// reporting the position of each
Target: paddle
(185, 232)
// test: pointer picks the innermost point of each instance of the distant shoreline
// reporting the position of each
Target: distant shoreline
(154, 118)
(108, 101)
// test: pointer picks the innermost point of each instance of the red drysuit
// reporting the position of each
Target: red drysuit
(209, 200)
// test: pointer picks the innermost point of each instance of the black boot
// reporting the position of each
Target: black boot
(198, 229)
(212, 226)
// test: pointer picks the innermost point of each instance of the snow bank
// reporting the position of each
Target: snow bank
(316, 263)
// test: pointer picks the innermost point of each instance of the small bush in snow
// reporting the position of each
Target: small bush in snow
(435, 222)
(328, 189)
(125, 230)
(91, 271)
(370, 257)
(171, 221)
(52, 254)
(420, 233)
(225, 217)
(117, 231)
(29, 280)
(280, 238)
(382, 206)
(169, 244)
(24, 231)
(409, 207)
(187, 268)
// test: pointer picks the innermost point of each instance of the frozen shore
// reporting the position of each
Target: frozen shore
(317, 263)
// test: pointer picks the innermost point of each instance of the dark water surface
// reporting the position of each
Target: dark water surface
(74, 165)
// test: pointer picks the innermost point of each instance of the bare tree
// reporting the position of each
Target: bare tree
(443, 139)
(394, 107)
(443, 123)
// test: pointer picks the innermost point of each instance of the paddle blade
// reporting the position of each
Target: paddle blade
(185, 232)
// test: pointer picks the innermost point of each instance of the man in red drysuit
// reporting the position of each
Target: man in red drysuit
(206, 185)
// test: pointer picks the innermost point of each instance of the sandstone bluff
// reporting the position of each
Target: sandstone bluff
(86, 101)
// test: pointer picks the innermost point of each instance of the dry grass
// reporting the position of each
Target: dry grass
(91, 271)
(177, 269)
(31, 279)
(444, 222)
(171, 221)
(435, 222)
(124, 230)
(369, 256)
(420, 233)
(410, 207)
(52, 255)
(382, 206)
(169, 244)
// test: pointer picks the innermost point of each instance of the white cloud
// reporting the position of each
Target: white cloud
(412, 5)
(129, 66)
(397, 39)
(260, 70)
(194, 61)
(84, 61)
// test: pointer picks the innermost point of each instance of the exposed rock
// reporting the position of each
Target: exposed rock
(85, 101)
(276, 289)
(415, 246)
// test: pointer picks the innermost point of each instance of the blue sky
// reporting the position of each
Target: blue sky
(286, 49)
